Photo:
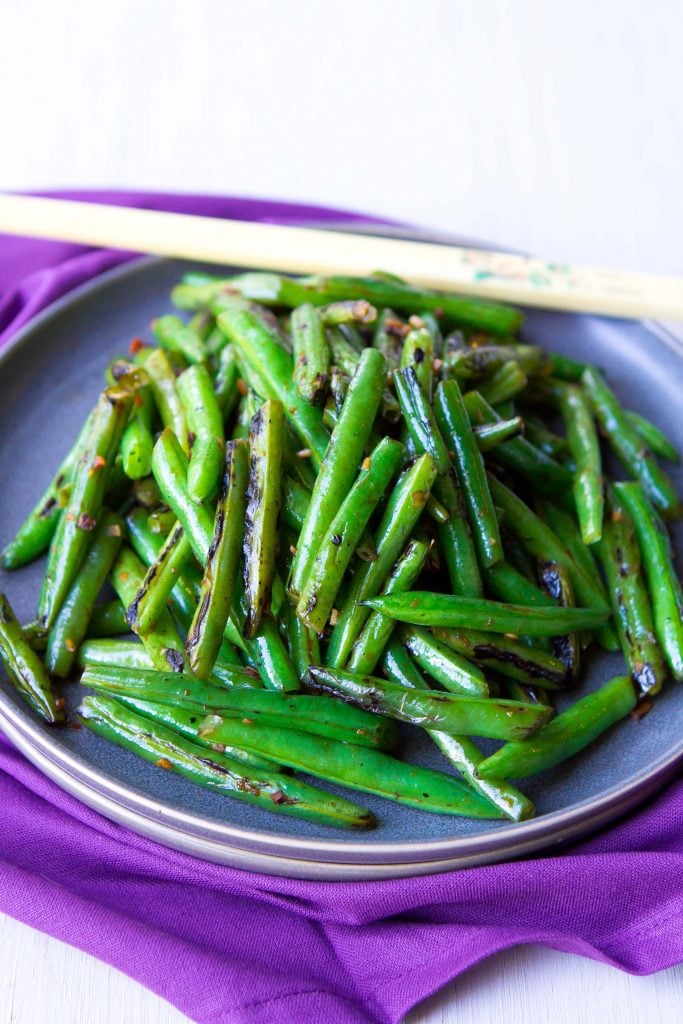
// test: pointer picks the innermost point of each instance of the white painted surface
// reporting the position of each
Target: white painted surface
(553, 128)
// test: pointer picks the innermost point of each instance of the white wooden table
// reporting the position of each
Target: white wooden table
(552, 128)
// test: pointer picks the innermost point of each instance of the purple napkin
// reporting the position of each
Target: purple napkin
(227, 946)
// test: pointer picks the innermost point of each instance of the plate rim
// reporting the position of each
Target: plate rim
(345, 859)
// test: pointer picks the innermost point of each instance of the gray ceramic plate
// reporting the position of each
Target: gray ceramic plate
(49, 378)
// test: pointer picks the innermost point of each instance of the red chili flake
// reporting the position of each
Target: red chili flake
(163, 762)
(251, 672)
(86, 522)
(138, 401)
(641, 709)
(366, 463)
(438, 363)
(69, 644)
(60, 703)
(98, 463)
(247, 721)
(419, 498)
(135, 346)
(278, 797)
(242, 386)
(123, 576)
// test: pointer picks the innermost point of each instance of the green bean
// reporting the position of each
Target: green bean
(585, 449)
(170, 467)
(25, 670)
(420, 419)
(367, 650)
(163, 644)
(360, 768)
(138, 441)
(475, 362)
(258, 344)
(663, 584)
(540, 540)
(489, 435)
(187, 723)
(344, 534)
(160, 579)
(567, 531)
(108, 619)
(519, 456)
(71, 537)
(264, 499)
(471, 716)
(304, 646)
(176, 336)
(35, 533)
(462, 752)
(455, 673)
(205, 422)
(453, 420)
(388, 337)
(402, 512)
(118, 653)
(311, 353)
(654, 438)
(266, 649)
(567, 734)
(162, 380)
(630, 601)
(508, 657)
(346, 357)
(507, 583)
(504, 384)
(627, 444)
(436, 511)
(320, 715)
(340, 464)
(556, 584)
(71, 624)
(565, 368)
(455, 540)
(148, 547)
(540, 437)
(210, 619)
(225, 383)
(426, 608)
(126, 654)
(379, 290)
(166, 749)
(417, 353)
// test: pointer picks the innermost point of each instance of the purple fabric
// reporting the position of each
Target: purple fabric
(227, 946)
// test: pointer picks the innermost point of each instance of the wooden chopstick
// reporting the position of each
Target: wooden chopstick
(492, 275)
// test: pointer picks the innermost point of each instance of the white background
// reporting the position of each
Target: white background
(551, 127)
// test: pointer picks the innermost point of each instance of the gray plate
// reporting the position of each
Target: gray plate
(50, 377)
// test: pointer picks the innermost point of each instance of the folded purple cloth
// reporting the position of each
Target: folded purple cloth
(228, 946)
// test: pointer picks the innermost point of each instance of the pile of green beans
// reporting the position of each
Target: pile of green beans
(321, 513)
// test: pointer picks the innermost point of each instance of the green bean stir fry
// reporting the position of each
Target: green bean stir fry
(310, 509)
